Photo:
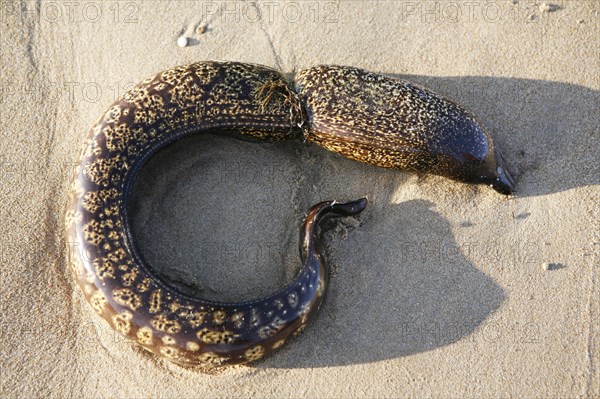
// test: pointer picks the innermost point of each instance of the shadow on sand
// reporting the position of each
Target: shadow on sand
(418, 294)
(412, 294)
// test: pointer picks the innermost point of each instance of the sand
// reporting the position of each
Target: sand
(439, 289)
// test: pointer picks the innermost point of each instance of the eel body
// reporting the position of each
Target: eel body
(361, 115)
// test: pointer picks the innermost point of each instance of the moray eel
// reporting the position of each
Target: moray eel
(360, 115)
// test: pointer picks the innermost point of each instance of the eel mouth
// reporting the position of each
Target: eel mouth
(504, 182)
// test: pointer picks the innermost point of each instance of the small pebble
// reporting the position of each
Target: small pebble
(182, 41)
(201, 29)
(547, 7)
(546, 266)
(552, 266)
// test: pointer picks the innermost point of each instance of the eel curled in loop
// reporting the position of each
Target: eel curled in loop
(360, 115)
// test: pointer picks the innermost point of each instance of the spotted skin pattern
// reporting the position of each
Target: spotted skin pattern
(251, 101)
(364, 116)
(396, 124)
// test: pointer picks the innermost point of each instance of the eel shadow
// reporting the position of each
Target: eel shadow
(403, 285)
(412, 292)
